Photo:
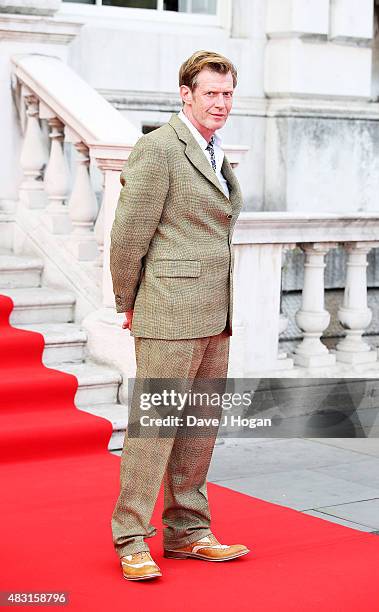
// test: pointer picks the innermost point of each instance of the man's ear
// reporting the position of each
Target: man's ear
(185, 94)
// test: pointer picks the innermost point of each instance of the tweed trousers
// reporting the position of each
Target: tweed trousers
(180, 461)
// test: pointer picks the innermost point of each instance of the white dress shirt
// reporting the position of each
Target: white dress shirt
(219, 153)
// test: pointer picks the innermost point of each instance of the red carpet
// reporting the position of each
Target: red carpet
(59, 484)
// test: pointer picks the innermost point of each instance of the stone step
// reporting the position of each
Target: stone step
(6, 229)
(98, 384)
(117, 414)
(64, 342)
(17, 272)
(40, 305)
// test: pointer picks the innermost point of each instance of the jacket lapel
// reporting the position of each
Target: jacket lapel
(194, 152)
(235, 195)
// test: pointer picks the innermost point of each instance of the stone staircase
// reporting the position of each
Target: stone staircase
(51, 312)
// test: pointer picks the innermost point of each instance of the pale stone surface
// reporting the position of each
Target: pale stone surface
(302, 489)
(61, 269)
(346, 22)
(258, 318)
(157, 69)
(299, 67)
(63, 341)
(321, 164)
(23, 34)
(296, 227)
(365, 471)
(118, 351)
(30, 7)
(291, 302)
(375, 56)
(365, 511)
(312, 317)
(36, 305)
(258, 240)
(74, 101)
(339, 521)
(97, 384)
(354, 315)
(248, 18)
(19, 271)
(117, 414)
(297, 16)
(369, 448)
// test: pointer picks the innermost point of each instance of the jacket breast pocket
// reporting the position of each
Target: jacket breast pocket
(177, 268)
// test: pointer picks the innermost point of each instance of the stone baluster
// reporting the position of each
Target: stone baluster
(99, 229)
(110, 159)
(34, 156)
(83, 209)
(312, 318)
(57, 181)
(354, 315)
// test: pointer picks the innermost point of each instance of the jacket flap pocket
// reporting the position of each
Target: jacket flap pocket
(177, 267)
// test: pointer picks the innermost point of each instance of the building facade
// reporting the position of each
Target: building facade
(306, 103)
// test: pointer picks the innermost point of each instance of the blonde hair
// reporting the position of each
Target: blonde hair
(199, 60)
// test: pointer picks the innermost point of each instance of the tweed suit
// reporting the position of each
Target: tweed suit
(171, 261)
(171, 257)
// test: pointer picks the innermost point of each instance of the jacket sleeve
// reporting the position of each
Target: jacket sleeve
(145, 180)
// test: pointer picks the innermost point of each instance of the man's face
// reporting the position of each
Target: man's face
(211, 100)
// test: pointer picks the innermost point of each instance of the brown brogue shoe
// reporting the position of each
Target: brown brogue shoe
(139, 566)
(208, 549)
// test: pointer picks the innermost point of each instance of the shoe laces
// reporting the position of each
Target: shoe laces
(141, 556)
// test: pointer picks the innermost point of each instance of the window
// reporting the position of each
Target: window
(203, 7)
(147, 128)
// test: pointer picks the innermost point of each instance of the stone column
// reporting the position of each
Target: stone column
(312, 318)
(57, 181)
(83, 208)
(354, 315)
(34, 156)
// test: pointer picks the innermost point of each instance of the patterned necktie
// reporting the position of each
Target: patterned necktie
(211, 150)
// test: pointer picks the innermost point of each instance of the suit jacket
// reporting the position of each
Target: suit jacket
(171, 258)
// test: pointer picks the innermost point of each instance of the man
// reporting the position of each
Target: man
(171, 265)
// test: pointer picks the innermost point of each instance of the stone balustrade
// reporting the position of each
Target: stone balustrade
(56, 105)
(260, 240)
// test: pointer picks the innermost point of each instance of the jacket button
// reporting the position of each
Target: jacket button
(229, 216)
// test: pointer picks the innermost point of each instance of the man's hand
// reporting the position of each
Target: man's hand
(128, 319)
